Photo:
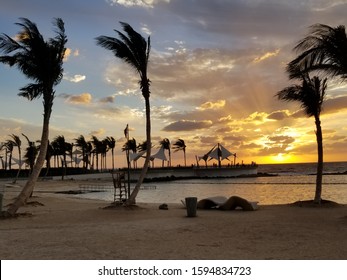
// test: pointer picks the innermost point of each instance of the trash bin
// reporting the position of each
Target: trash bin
(191, 205)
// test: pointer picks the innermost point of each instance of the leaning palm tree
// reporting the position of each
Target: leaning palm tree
(179, 145)
(134, 50)
(323, 49)
(310, 93)
(42, 62)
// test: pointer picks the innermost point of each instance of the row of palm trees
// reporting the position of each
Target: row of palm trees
(90, 153)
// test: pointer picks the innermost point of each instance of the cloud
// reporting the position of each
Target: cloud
(107, 99)
(141, 3)
(266, 56)
(75, 79)
(187, 125)
(69, 52)
(278, 115)
(212, 105)
(83, 98)
(98, 133)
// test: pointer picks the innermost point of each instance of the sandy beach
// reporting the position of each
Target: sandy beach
(65, 227)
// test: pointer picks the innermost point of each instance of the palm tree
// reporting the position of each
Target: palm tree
(130, 145)
(60, 148)
(133, 49)
(30, 154)
(111, 143)
(17, 142)
(41, 61)
(179, 145)
(323, 49)
(81, 143)
(103, 151)
(9, 144)
(166, 145)
(310, 94)
(97, 148)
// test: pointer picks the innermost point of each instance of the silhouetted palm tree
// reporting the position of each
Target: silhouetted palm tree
(81, 143)
(310, 94)
(41, 61)
(61, 148)
(323, 49)
(130, 145)
(9, 144)
(30, 153)
(97, 149)
(166, 145)
(111, 143)
(134, 50)
(179, 145)
(103, 151)
(17, 142)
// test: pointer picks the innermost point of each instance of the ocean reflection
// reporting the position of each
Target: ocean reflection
(265, 190)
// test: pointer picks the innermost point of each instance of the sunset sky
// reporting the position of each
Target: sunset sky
(215, 67)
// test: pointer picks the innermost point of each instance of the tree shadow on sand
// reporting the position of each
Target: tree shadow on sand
(311, 204)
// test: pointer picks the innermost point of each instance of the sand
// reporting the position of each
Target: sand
(66, 227)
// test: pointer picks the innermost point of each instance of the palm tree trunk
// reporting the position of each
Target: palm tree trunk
(132, 199)
(30, 184)
(319, 136)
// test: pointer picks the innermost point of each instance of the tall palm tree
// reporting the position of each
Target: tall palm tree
(17, 142)
(166, 145)
(311, 94)
(180, 145)
(133, 49)
(323, 49)
(42, 62)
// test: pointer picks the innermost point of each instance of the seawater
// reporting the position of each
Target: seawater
(292, 182)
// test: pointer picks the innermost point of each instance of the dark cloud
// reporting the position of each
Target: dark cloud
(187, 125)
(279, 115)
(108, 99)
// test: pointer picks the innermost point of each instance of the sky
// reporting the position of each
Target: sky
(215, 68)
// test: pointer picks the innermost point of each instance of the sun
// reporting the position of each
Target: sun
(282, 158)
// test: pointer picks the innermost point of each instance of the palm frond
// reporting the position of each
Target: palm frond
(31, 91)
(323, 49)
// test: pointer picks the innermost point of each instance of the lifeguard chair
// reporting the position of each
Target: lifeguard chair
(120, 190)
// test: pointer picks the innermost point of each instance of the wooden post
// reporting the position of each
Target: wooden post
(191, 205)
